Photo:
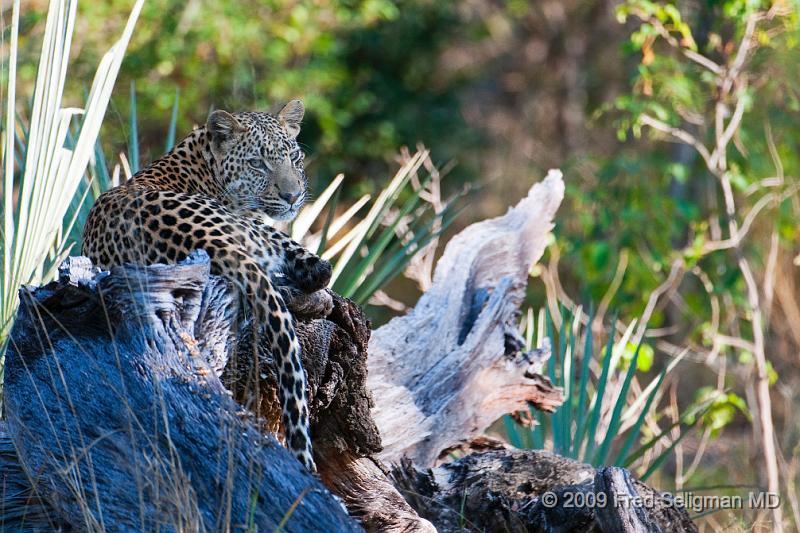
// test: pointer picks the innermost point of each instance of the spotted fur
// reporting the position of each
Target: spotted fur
(210, 192)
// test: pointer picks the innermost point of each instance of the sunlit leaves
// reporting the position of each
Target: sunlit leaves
(659, 19)
(716, 409)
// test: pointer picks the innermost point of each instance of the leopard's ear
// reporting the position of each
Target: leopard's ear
(291, 116)
(224, 129)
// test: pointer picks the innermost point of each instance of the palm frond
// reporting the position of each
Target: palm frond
(39, 192)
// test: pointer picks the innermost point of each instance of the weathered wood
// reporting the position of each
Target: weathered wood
(444, 372)
(118, 416)
(334, 352)
(503, 490)
(22, 510)
(370, 495)
(137, 426)
(622, 511)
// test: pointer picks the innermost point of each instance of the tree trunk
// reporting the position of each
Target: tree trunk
(120, 421)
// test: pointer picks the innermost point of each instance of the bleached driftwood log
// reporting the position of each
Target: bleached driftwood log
(443, 373)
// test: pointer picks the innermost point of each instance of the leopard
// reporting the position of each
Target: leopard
(212, 192)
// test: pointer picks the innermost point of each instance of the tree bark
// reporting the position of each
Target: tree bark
(120, 422)
(536, 491)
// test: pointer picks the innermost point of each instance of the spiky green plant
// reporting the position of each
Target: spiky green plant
(43, 168)
(600, 422)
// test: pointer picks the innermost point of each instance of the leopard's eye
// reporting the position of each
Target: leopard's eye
(296, 156)
(258, 164)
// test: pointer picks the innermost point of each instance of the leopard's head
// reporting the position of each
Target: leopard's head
(257, 162)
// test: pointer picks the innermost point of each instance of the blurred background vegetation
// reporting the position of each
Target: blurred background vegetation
(501, 90)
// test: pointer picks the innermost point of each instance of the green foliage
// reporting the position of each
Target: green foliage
(598, 423)
(720, 408)
(43, 164)
(710, 205)
(659, 200)
(363, 69)
(643, 354)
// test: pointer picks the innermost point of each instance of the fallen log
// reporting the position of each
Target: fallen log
(21, 505)
(121, 389)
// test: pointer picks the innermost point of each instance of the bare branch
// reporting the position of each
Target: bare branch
(734, 342)
(773, 152)
(769, 274)
(669, 285)
(741, 54)
(622, 267)
(735, 240)
(702, 60)
(773, 181)
(678, 134)
(727, 132)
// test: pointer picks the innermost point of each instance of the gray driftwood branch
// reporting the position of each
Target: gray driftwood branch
(139, 400)
(452, 366)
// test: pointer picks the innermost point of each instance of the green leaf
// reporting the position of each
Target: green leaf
(323, 241)
(600, 392)
(635, 430)
(133, 140)
(173, 121)
(614, 423)
(583, 386)
(659, 460)
(568, 422)
(354, 275)
(645, 358)
(398, 261)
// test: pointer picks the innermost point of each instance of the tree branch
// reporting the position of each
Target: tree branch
(678, 134)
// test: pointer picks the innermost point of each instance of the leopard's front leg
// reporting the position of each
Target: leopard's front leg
(301, 269)
(300, 276)
(273, 319)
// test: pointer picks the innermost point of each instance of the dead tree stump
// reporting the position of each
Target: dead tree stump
(444, 372)
(119, 419)
(120, 392)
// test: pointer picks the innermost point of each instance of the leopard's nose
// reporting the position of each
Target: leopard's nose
(290, 197)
